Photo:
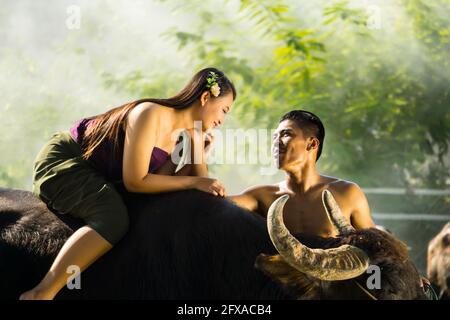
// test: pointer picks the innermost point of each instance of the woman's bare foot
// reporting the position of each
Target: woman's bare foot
(35, 295)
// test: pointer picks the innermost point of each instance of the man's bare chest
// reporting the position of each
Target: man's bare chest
(305, 215)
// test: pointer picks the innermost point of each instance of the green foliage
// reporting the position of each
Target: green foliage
(384, 100)
(382, 94)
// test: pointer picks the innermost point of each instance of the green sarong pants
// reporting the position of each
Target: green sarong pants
(71, 185)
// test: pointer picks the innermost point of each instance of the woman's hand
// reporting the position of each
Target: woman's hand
(209, 185)
(209, 141)
(204, 137)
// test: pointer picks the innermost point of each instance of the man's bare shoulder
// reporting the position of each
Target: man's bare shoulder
(343, 188)
(352, 201)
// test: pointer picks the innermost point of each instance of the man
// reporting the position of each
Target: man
(297, 145)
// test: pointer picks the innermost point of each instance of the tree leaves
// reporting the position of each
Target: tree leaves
(383, 101)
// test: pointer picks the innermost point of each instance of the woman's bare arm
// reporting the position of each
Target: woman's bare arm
(140, 138)
(189, 169)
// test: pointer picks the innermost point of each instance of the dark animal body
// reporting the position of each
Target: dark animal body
(183, 245)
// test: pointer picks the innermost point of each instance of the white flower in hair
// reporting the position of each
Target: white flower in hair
(215, 90)
(212, 85)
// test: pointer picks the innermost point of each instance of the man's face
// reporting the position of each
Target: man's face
(290, 147)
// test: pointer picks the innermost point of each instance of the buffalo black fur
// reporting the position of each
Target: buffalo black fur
(180, 245)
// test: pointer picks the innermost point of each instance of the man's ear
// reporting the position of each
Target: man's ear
(204, 97)
(313, 143)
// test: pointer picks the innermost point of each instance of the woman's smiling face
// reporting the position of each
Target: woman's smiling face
(214, 110)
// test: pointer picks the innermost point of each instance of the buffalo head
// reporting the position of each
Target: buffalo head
(339, 267)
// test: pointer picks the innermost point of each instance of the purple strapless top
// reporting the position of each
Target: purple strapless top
(103, 159)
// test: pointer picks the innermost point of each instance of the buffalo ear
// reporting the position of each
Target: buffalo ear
(274, 266)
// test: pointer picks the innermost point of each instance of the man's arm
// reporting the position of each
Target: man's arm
(248, 199)
(360, 215)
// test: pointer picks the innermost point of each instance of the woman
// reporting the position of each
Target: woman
(76, 171)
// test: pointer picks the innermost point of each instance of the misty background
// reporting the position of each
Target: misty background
(376, 72)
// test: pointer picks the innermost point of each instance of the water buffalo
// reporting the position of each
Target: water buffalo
(191, 245)
(438, 262)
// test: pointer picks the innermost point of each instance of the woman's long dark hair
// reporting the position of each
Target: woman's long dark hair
(110, 124)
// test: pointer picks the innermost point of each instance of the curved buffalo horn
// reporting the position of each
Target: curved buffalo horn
(186, 149)
(344, 262)
(335, 215)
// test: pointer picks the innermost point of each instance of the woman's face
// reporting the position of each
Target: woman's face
(213, 110)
